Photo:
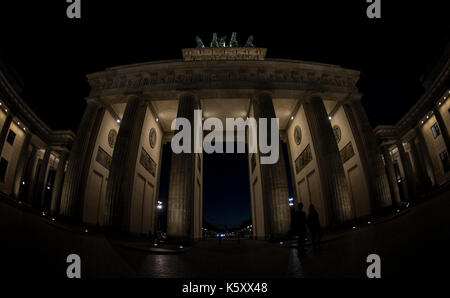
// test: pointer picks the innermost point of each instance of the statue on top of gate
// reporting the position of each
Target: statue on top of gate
(221, 42)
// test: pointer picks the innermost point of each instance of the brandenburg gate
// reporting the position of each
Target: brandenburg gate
(113, 174)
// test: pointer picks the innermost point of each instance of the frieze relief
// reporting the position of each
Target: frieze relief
(148, 80)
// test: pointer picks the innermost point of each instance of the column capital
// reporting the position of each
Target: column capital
(351, 98)
(94, 101)
(386, 146)
(62, 151)
(184, 93)
(133, 96)
(399, 142)
(313, 95)
(411, 136)
(259, 93)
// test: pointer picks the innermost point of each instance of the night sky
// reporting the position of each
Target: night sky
(52, 55)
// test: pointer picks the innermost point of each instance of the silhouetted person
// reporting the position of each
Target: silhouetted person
(301, 228)
(314, 226)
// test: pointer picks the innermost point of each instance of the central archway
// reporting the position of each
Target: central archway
(226, 190)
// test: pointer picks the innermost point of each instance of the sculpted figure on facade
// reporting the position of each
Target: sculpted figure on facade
(214, 42)
(249, 43)
(233, 40)
(222, 42)
(199, 42)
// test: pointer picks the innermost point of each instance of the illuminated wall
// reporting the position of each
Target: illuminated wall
(307, 179)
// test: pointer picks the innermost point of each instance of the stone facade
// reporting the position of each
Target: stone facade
(416, 149)
(33, 157)
(310, 100)
(113, 169)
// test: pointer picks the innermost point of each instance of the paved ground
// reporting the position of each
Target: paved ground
(414, 244)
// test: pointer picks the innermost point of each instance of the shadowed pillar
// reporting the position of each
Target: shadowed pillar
(273, 176)
(182, 178)
(410, 182)
(390, 171)
(121, 176)
(4, 131)
(29, 179)
(331, 171)
(419, 162)
(38, 199)
(72, 192)
(370, 155)
(56, 194)
(21, 163)
(425, 154)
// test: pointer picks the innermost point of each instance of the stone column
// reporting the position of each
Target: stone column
(410, 181)
(40, 183)
(4, 131)
(56, 194)
(390, 171)
(444, 130)
(292, 170)
(370, 155)
(21, 163)
(425, 153)
(180, 210)
(273, 176)
(422, 176)
(121, 175)
(71, 193)
(335, 190)
(29, 179)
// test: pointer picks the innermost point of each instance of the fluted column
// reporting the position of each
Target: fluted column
(56, 194)
(4, 131)
(390, 171)
(281, 217)
(180, 210)
(29, 179)
(370, 155)
(121, 176)
(71, 193)
(335, 190)
(21, 163)
(443, 127)
(422, 176)
(425, 153)
(38, 198)
(273, 176)
(410, 182)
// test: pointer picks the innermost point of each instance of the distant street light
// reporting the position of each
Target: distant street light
(291, 202)
(159, 205)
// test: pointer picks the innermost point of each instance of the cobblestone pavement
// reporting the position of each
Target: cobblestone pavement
(414, 244)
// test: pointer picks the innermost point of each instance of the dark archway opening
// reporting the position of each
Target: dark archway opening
(226, 191)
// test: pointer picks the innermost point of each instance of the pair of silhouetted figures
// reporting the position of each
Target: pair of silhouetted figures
(314, 227)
